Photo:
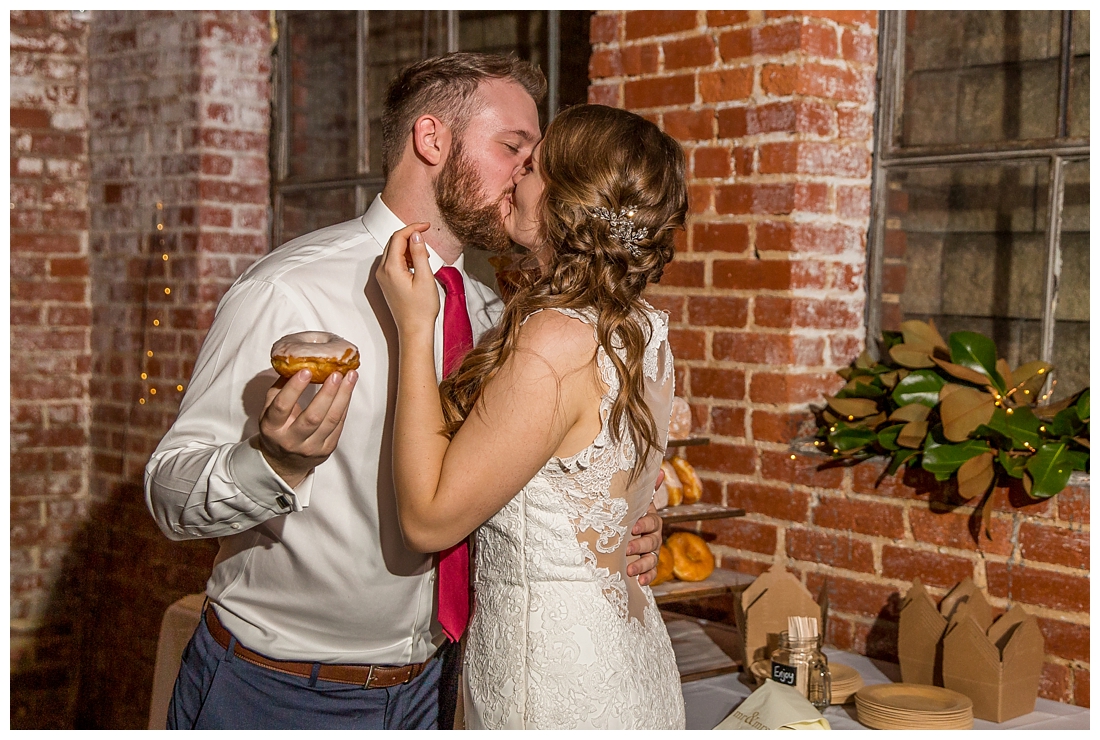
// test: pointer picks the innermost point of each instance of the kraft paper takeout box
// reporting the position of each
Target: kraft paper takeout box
(921, 627)
(997, 667)
(960, 647)
(761, 611)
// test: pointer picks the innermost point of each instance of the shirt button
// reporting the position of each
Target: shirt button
(235, 525)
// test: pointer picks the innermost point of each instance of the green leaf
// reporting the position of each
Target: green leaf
(996, 427)
(1013, 465)
(900, 458)
(1078, 460)
(945, 459)
(1065, 423)
(977, 352)
(922, 386)
(890, 338)
(1023, 427)
(1083, 405)
(888, 437)
(846, 438)
(862, 387)
(1050, 469)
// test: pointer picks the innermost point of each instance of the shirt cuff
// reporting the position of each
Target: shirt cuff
(256, 479)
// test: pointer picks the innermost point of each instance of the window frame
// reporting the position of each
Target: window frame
(888, 155)
(364, 181)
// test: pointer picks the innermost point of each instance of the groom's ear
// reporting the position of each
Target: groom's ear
(431, 140)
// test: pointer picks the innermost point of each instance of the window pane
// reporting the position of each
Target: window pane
(1079, 81)
(397, 38)
(519, 32)
(966, 247)
(306, 211)
(1071, 327)
(323, 102)
(980, 76)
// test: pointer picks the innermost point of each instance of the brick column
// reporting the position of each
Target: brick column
(766, 298)
(180, 106)
(51, 359)
(139, 193)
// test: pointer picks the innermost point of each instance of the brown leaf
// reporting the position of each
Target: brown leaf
(962, 373)
(963, 411)
(1083, 441)
(857, 408)
(921, 335)
(909, 356)
(912, 434)
(889, 379)
(910, 412)
(865, 361)
(948, 389)
(987, 513)
(1050, 410)
(872, 422)
(975, 475)
(1004, 370)
(1029, 379)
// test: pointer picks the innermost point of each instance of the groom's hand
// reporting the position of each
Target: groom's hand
(647, 540)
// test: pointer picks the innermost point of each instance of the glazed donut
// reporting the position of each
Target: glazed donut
(679, 423)
(693, 487)
(672, 484)
(319, 352)
(664, 566)
(692, 560)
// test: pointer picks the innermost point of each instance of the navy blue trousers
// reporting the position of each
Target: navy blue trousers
(217, 690)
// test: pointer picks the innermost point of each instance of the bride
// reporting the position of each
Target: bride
(554, 428)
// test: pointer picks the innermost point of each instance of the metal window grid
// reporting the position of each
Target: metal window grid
(888, 155)
(364, 181)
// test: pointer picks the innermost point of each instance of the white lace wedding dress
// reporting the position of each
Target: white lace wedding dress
(560, 636)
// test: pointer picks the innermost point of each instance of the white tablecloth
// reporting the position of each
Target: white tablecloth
(711, 700)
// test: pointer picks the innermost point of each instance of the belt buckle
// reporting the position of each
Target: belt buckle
(370, 677)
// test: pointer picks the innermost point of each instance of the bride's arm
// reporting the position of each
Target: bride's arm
(446, 489)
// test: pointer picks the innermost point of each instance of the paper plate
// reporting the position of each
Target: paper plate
(918, 698)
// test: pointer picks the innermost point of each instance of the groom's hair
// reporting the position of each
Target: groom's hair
(445, 87)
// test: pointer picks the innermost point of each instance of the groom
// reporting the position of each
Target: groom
(318, 616)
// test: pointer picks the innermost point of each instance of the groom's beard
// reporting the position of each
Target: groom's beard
(458, 194)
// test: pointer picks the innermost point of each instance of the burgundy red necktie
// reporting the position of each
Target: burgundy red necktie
(454, 562)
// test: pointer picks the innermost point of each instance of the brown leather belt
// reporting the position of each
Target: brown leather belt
(367, 676)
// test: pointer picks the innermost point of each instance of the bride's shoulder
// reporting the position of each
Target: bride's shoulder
(557, 335)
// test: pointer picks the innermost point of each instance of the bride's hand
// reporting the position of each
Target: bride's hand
(411, 293)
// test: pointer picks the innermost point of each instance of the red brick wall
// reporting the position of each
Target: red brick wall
(173, 146)
(766, 296)
(51, 361)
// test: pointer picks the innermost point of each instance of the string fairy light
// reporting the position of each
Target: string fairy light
(167, 289)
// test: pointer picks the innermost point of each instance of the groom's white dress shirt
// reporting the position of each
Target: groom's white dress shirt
(316, 573)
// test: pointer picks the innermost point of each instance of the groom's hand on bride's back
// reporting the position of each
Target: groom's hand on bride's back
(646, 542)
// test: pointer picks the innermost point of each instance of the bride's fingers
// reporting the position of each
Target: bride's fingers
(394, 257)
(418, 257)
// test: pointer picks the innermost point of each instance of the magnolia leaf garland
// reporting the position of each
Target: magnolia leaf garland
(959, 412)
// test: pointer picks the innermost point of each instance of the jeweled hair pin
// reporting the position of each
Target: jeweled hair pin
(622, 226)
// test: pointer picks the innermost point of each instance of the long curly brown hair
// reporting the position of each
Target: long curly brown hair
(593, 156)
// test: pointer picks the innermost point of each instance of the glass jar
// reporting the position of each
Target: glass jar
(802, 665)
